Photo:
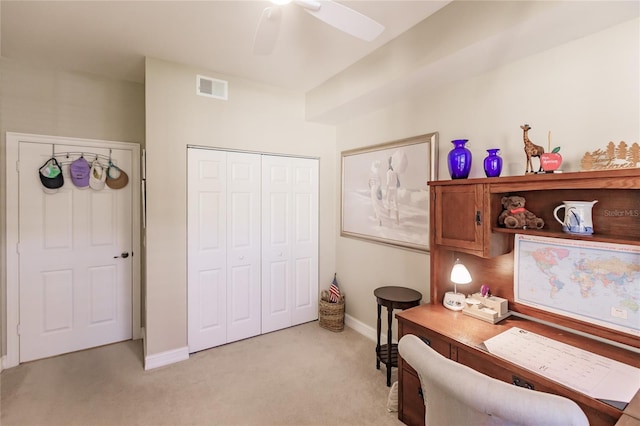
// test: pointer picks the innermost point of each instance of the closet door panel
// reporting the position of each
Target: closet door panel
(290, 241)
(276, 243)
(210, 286)
(305, 240)
(240, 312)
(243, 248)
(302, 297)
(276, 300)
(207, 252)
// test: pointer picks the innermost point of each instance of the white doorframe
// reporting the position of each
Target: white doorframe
(12, 238)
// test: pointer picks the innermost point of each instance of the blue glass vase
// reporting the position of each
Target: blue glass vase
(493, 163)
(459, 159)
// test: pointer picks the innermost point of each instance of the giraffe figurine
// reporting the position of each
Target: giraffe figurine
(531, 149)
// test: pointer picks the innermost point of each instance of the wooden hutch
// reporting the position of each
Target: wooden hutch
(464, 224)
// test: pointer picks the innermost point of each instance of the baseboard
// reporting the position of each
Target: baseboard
(369, 332)
(8, 361)
(181, 354)
(166, 358)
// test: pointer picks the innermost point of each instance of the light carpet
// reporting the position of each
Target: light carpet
(304, 375)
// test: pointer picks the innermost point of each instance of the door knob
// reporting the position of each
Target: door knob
(123, 255)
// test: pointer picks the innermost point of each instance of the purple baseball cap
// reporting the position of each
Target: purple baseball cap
(80, 171)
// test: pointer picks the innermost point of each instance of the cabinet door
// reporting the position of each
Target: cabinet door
(289, 241)
(458, 217)
(413, 409)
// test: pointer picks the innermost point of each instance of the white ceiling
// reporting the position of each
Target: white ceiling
(111, 38)
(341, 76)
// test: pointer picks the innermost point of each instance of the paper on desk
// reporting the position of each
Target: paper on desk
(594, 375)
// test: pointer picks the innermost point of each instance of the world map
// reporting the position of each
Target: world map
(590, 281)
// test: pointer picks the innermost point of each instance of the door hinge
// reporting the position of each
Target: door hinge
(18, 329)
(17, 248)
(18, 166)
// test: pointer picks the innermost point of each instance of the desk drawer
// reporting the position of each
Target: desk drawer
(498, 372)
(429, 337)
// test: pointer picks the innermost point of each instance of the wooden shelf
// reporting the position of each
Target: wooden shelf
(383, 355)
(552, 234)
(600, 179)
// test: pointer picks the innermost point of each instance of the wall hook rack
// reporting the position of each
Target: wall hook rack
(69, 156)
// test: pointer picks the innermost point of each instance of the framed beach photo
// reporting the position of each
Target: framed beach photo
(385, 197)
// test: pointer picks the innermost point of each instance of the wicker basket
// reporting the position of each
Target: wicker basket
(331, 314)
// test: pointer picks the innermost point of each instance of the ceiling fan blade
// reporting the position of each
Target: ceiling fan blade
(267, 32)
(343, 18)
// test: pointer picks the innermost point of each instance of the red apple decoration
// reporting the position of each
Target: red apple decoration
(551, 161)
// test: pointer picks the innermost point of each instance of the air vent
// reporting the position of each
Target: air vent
(212, 87)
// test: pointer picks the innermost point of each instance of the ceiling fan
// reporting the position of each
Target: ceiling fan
(335, 14)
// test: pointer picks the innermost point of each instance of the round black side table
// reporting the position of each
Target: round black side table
(393, 298)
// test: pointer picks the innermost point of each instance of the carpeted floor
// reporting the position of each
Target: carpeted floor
(304, 375)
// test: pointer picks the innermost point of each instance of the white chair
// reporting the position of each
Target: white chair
(455, 394)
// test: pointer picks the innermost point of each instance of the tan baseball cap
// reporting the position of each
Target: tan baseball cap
(116, 177)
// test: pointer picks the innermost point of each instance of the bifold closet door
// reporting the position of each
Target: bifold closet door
(289, 241)
(223, 247)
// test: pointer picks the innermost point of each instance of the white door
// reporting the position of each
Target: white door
(75, 287)
(289, 241)
(206, 249)
(223, 247)
(243, 246)
(305, 240)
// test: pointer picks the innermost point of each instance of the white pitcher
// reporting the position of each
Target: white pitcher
(577, 217)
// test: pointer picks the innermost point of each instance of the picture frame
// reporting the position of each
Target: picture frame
(384, 192)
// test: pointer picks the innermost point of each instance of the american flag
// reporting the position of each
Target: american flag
(334, 290)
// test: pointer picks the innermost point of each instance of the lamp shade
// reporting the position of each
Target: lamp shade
(460, 273)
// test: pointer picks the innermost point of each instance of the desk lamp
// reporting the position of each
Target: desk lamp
(459, 275)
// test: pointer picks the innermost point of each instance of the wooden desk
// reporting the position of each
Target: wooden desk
(457, 336)
(631, 414)
(627, 420)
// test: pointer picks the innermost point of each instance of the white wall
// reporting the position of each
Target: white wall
(461, 40)
(60, 103)
(256, 118)
(586, 92)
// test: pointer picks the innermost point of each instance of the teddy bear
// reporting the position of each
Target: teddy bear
(515, 216)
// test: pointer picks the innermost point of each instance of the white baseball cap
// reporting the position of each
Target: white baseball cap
(97, 176)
